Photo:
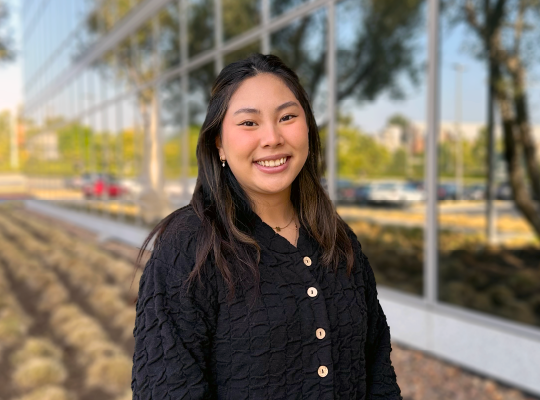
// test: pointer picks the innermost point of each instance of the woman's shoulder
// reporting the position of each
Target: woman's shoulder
(182, 221)
(355, 242)
(176, 240)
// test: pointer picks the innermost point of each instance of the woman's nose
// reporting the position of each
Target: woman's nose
(271, 136)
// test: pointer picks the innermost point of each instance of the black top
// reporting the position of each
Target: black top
(311, 334)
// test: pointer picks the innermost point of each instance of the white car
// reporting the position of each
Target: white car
(402, 193)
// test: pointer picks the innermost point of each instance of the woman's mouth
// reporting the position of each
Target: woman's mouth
(273, 166)
(273, 163)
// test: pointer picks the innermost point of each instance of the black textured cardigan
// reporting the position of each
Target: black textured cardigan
(310, 334)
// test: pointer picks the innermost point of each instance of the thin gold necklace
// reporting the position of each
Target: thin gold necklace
(278, 229)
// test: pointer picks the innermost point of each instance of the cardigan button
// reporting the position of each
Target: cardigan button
(307, 261)
(312, 292)
(323, 371)
(321, 333)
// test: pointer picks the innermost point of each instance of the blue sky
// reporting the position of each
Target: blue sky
(370, 117)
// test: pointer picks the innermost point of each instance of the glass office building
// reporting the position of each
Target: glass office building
(117, 90)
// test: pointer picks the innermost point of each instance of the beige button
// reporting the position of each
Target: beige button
(312, 292)
(323, 371)
(307, 261)
(320, 333)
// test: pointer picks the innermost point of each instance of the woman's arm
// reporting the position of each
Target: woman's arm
(172, 333)
(381, 382)
(381, 377)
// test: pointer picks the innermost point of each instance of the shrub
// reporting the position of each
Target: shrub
(38, 372)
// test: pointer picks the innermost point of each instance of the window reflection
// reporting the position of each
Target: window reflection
(239, 16)
(201, 23)
(380, 150)
(491, 271)
(242, 53)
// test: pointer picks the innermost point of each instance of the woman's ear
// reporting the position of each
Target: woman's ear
(218, 145)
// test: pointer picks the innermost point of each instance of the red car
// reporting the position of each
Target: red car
(102, 185)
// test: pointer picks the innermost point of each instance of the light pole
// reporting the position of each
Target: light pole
(459, 68)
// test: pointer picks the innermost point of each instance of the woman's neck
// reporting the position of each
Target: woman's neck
(275, 209)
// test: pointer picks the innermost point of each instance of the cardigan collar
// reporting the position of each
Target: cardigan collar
(268, 238)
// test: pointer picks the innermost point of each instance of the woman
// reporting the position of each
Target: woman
(258, 289)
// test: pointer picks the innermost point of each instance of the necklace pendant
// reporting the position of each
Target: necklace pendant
(278, 229)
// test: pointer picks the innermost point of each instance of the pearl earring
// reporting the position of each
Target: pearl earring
(222, 161)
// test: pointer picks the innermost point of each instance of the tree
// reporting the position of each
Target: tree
(507, 40)
(359, 155)
(380, 50)
(7, 51)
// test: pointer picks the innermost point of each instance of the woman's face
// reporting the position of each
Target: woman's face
(264, 136)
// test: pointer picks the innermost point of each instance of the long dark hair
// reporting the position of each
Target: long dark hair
(222, 205)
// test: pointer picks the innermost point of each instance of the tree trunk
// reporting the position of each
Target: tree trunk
(522, 116)
(514, 150)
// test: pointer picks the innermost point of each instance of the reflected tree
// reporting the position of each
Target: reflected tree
(7, 51)
(507, 37)
(379, 51)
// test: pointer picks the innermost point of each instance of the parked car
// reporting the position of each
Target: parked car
(102, 185)
(399, 193)
(447, 191)
(504, 191)
(132, 188)
(362, 194)
(475, 192)
(346, 191)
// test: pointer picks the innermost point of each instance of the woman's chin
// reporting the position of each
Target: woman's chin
(272, 189)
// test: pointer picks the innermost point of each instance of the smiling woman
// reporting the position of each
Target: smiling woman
(265, 141)
(232, 308)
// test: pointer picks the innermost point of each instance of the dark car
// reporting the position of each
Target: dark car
(346, 191)
(102, 185)
(504, 192)
(362, 194)
(447, 191)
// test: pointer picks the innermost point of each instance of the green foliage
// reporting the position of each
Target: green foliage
(83, 150)
(398, 163)
(359, 155)
(474, 156)
(399, 120)
(173, 151)
(5, 140)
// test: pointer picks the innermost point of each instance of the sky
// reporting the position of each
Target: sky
(371, 117)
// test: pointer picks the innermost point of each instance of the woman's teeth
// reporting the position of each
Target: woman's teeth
(273, 163)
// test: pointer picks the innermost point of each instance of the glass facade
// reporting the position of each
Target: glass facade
(116, 91)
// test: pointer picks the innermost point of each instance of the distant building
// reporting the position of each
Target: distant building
(394, 137)
(43, 146)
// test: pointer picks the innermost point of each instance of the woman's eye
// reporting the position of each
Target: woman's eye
(288, 117)
(247, 123)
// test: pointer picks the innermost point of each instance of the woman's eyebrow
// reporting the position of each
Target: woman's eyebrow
(286, 105)
(247, 110)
